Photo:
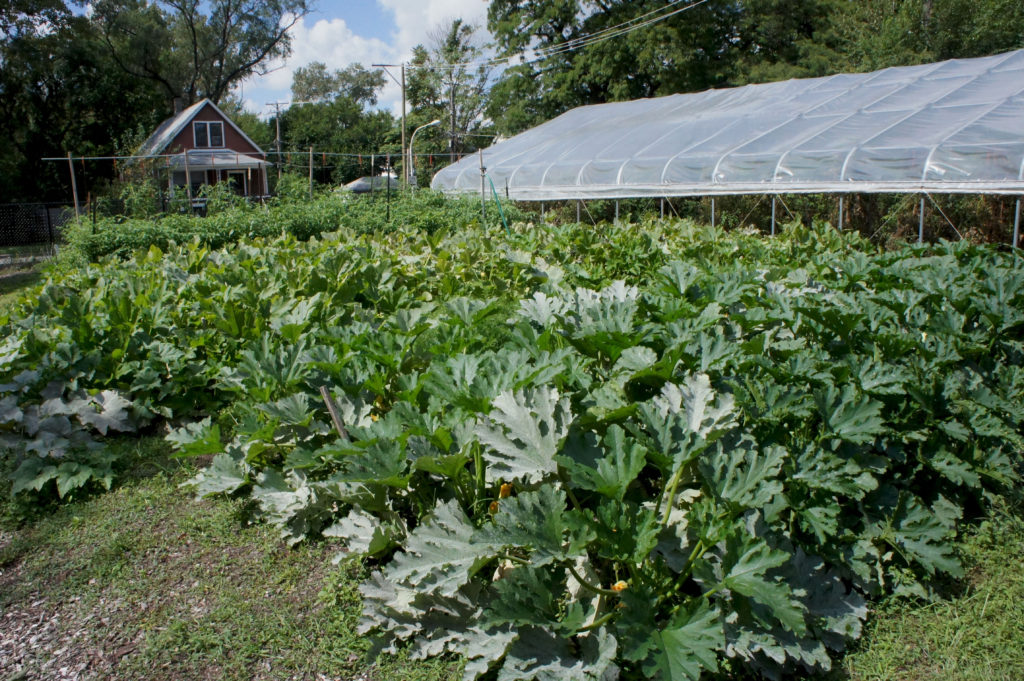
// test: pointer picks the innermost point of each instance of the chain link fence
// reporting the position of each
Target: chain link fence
(30, 232)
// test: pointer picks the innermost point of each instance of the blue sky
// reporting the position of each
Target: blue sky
(342, 32)
(366, 17)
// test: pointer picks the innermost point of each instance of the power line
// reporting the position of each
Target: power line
(576, 43)
(596, 38)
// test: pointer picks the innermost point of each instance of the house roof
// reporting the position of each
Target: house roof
(169, 129)
(215, 160)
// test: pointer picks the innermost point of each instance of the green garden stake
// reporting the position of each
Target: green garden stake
(494, 191)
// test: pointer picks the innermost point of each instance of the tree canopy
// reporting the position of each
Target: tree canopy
(83, 83)
(448, 81)
(194, 49)
(589, 51)
(315, 83)
(87, 82)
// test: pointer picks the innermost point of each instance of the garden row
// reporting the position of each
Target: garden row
(230, 218)
(647, 450)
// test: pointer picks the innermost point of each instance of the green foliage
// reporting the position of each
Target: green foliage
(141, 199)
(444, 85)
(719, 44)
(673, 451)
(220, 197)
(194, 51)
(313, 83)
(55, 67)
(230, 219)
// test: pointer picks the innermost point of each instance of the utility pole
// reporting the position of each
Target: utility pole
(451, 138)
(277, 120)
(401, 84)
(277, 141)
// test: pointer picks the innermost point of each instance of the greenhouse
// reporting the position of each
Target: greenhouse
(952, 127)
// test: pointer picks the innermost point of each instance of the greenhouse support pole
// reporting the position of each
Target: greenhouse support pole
(405, 169)
(74, 187)
(773, 215)
(920, 225)
(578, 211)
(663, 209)
(712, 212)
(542, 211)
(840, 213)
(1016, 226)
(616, 211)
(483, 189)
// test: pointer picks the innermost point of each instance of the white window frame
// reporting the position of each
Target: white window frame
(208, 128)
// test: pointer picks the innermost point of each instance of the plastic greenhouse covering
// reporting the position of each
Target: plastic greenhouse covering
(953, 126)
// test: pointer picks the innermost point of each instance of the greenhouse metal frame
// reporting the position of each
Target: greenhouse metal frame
(949, 127)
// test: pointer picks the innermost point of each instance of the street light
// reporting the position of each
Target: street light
(412, 166)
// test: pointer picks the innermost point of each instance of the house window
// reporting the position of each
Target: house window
(208, 134)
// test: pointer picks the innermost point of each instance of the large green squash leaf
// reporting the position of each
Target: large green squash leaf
(688, 646)
(443, 553)
(523, 432)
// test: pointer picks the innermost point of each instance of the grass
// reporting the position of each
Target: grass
(145, 583)
(14, 283)
(976, 636)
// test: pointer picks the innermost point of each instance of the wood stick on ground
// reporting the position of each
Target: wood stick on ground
(335, 415)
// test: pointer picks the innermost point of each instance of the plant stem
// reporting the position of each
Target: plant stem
(596, 623)
(588, 586)
(670, 494)
(568, 490)
(478, 470)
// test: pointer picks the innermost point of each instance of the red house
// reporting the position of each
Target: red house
(201, 145)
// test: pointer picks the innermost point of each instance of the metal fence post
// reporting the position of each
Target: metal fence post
(49, 226)
(920, 225)
(1016, 226)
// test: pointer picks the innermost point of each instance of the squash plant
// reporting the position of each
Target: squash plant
(651, 450)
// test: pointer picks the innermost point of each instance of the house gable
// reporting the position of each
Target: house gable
(176, 133)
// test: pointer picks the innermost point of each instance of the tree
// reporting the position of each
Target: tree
(917, 31)
(314, 83)
(259, 131)
(449, 81)
(687, 51)
(577, 52)
(336, 118)
(192, 54)
(61, 92)
(25, 17)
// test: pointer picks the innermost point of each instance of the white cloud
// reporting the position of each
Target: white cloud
(333, 42)
(415, 19)
(329, 41)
